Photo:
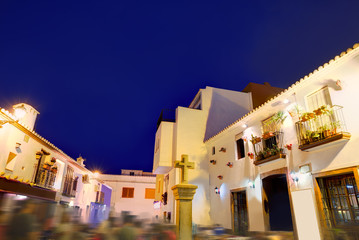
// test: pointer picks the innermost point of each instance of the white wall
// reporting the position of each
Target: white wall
(137, 205)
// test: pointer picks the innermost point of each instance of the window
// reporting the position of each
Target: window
(339, 195)
(150, 193)
(132, 173)
(318, 99)
(213, 150)
(127, 192)
(240, 148)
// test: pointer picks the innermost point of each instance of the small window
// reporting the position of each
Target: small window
(240, 148)
(127, 192)
(132, 173)
(213, 150)
(150, 193)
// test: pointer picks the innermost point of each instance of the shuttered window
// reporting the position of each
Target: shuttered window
(127, 192)
(150, 193)
(318, 99)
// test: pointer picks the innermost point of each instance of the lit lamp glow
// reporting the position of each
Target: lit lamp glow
(96, 174)
(251, 184)
(20, 112)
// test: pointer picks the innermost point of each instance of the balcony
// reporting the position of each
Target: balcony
(45, 178)
(321, 128)
(268, 148)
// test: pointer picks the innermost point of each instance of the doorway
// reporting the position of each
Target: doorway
(239, 211)
(276, 203)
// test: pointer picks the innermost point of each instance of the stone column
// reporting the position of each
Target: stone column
(184, 195)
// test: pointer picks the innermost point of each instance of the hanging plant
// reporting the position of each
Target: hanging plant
(288, 146)
(222, 149)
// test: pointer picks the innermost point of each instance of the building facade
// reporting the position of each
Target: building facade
(183, 131)
(32, 167)
(289, 164)
(133, 192)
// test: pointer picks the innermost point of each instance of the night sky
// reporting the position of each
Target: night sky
(100, 72)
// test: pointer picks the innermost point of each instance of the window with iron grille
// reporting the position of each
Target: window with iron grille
(340, 198)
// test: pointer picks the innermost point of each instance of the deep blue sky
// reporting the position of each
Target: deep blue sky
(100, 72)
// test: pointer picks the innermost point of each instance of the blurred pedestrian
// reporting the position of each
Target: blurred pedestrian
(23, 225)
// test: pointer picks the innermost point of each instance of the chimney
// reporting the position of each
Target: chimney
(267, 84)
(80, 160)
(26, 114)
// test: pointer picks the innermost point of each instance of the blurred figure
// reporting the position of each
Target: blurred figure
(23, 225)
(128, 231)
(106, 230)
(64, 229)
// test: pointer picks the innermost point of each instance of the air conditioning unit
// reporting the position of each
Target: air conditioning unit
(85, 178)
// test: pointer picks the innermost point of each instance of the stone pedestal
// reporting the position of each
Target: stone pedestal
(184, 195)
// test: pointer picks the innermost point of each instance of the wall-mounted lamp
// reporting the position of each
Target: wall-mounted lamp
(230, 164)
(20, 111)
(222, 149)
(251, 184)
(216, 190)
(294, 176)
(213, 162)
(220, 177)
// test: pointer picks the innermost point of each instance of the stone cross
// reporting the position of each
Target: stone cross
(184, 165)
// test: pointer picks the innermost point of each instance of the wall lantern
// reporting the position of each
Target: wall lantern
(229, 164)
(294, 176)
(20, 111)
(216, 190)
(251, 184)
(222, 149)
(220, 177)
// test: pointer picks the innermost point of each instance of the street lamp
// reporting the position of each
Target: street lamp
(19, 112)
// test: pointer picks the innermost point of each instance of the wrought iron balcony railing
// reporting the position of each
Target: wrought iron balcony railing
(268, 148)
(45, 178)
(321, 127)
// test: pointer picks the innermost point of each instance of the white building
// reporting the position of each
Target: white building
(33, 167)
(295, 171)
(133, 192)
(184, 132)
(310, 189)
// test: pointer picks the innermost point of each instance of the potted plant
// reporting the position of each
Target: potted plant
(277, 119)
